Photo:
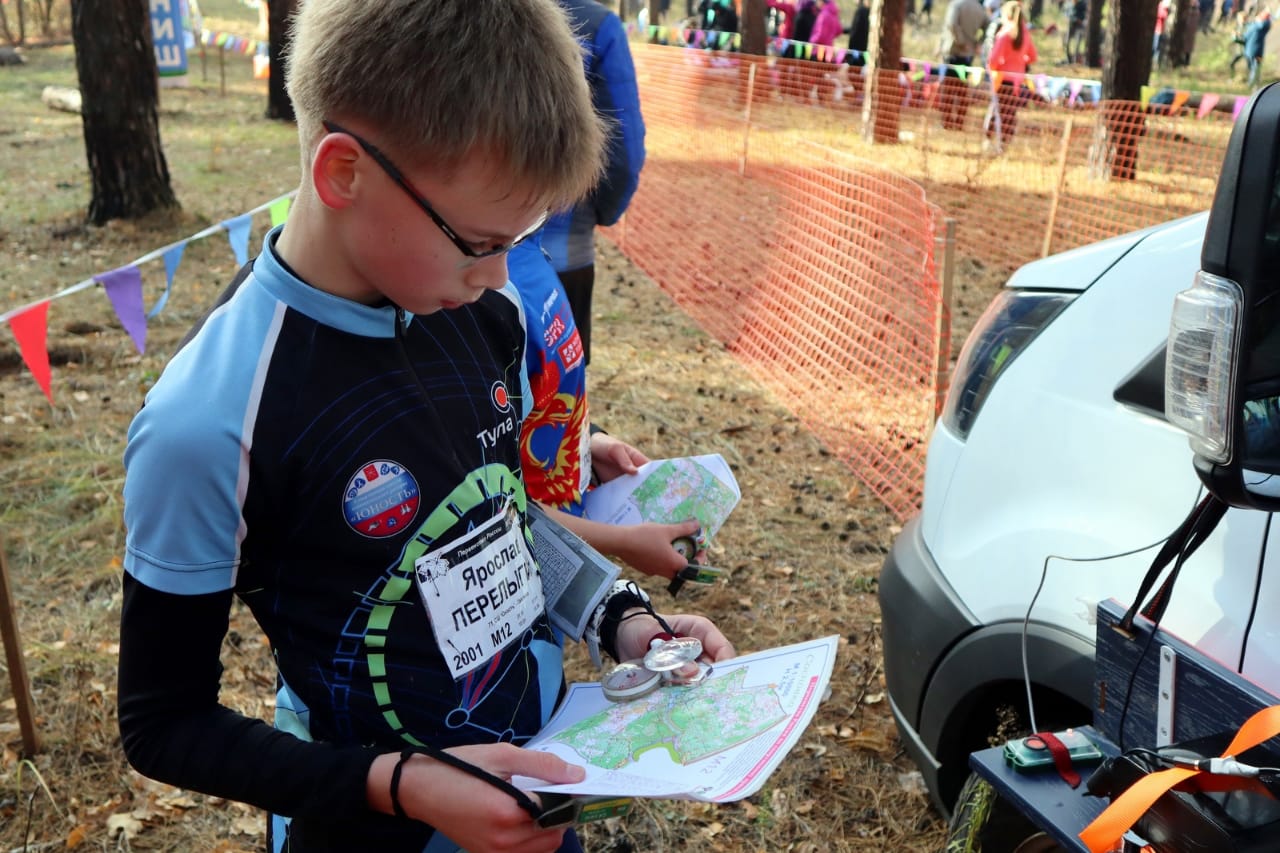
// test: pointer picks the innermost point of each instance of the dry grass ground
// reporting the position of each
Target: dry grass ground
(802, 551)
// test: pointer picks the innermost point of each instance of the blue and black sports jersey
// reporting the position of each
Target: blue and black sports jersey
(299, 452)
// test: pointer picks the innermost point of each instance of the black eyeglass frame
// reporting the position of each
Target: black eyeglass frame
(398, 177)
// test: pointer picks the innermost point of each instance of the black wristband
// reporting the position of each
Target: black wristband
(522, 799)
(395, 781)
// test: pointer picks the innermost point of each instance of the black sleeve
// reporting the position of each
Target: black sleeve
(174, 730)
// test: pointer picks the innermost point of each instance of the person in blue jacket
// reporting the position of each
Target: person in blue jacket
(569, 237)
(1255, 39)
(561, 452)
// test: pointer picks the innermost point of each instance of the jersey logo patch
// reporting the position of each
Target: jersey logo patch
(380, 499)
(501, 399)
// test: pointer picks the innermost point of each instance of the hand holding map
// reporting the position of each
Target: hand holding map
(668, 491)
(718, 741)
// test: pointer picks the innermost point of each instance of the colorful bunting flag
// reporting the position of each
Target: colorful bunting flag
(279, 210)
(238, 235)
(1180, 97)
(1240, 102)
(1207, 102)
(123, 287)
(31, 330)
(172, 257)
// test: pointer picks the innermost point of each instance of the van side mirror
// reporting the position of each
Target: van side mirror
(1222, 372)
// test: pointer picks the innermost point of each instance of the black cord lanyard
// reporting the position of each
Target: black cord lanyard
(522, 799)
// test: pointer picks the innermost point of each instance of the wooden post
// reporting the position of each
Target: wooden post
(222, 71)
(17, 665)
(1057, 189)
(746, 119)
(946, 304)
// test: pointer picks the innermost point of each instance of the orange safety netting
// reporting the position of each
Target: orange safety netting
(766, 212)
(815, 268)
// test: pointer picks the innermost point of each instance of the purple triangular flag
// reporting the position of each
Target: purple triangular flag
(124, 289)
(238, 233)
(172, 257)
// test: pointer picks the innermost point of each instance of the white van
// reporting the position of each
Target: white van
(1051, 476)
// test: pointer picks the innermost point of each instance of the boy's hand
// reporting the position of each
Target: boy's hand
(634, 635)
(612, 457)
(646, 547)
(472, 813)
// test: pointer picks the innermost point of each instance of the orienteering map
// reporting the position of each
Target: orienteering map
(717, 741)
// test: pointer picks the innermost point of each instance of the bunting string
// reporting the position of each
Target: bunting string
(1072, 90)
(232, 43)
(123, 287)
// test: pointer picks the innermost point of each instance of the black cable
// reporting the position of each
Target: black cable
(1044, 574)
(1183, 553)
(1257, 593)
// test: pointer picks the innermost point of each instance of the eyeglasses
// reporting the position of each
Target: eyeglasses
(394, 174)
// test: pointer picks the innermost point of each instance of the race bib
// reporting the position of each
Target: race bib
(482, 591)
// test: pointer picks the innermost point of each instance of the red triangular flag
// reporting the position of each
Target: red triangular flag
(31, 330)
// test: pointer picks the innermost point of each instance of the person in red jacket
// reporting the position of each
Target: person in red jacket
(1009, 63)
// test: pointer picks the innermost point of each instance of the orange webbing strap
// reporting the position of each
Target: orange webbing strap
(1124, 811)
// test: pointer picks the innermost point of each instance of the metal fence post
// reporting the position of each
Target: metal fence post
(946, 304)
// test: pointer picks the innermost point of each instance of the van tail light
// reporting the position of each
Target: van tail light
(1011, 321)
(1199, 375)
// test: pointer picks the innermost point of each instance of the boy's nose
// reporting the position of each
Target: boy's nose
(489, 273)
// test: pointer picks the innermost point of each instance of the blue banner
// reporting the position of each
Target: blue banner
(167, 33)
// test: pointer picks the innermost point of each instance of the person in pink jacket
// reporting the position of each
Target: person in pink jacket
(827, 26)
(1011, 58)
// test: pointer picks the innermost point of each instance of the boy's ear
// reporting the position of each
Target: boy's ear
(333, 170)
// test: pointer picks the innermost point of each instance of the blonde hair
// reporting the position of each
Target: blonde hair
(440, 80)
(1011, 20)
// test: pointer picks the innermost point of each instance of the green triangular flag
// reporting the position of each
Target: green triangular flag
(279, 210)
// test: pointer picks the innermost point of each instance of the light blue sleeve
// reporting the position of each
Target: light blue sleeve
(187, 458)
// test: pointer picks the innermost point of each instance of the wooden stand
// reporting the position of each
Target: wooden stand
(17, 665)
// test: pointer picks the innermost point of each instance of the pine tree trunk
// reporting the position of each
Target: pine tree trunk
(1121, 123)
(751, 24)
(116, 63)
(1093, 35)
(1175, 31)
(279, 12)
(882, 104)
(754, 40)
(1130, 27)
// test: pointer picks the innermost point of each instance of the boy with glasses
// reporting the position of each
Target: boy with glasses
(337, 446)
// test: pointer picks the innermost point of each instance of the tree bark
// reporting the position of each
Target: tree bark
(1130, 27)
(116, 64)
(1175, 32)
(1093, 35)
(752, 25)
(279, 13)
(882, 103)
(1122, 125)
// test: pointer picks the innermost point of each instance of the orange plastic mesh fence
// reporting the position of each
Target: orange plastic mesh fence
(816, 269)
(1024, 174)
(820, 270)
